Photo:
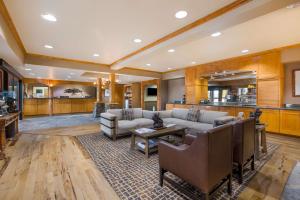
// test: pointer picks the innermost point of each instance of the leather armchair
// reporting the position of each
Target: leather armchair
(203, 160)
(243, 144)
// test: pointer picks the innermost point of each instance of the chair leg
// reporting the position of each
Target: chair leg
(241, 171)
(229, 184)
(206, 196)
(252, 163)
(161, 176)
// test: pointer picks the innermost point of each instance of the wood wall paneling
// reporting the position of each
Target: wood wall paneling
(136, 95)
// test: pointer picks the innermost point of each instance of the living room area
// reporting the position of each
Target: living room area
(150, 99)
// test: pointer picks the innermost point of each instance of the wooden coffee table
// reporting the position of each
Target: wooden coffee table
(178, 130)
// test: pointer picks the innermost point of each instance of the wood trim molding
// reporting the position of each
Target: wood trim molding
(4, 12)
(186, 28)
(293, 82)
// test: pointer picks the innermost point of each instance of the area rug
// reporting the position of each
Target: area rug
(134, 177)
(45, 122)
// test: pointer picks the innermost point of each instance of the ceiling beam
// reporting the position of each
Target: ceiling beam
(203, 20)
(35, 59)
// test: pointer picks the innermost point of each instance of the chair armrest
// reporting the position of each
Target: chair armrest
(223, 120)
(108, 116)
(189, 139)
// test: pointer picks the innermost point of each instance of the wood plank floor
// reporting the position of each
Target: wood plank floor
(49, 164)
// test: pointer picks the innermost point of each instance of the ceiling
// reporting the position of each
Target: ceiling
(108, 28)
(56, 73)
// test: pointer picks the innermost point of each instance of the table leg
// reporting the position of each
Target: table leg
(147, 148)
(264, 141)
(132, 141)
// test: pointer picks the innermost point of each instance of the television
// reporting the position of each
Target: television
(152, 91)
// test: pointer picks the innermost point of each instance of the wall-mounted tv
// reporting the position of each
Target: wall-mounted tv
(152, 91)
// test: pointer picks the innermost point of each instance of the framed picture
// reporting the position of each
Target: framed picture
(296, 83)
(106, 92)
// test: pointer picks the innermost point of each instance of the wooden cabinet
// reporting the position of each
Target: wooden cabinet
(61, 106)
(30, 107)
(43, 106)
(290, 122)
(271, 118)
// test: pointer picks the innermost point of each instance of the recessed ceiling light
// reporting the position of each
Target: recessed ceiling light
(69, 76)
(27, 69)
(169, 68)
(49, 17)
(295, 5)
(137, 40)
(148, 64)
(32, 74)
(245, 51)
(193, 62)
(216, 34)
(72, 73)
(181, 14)
(171, 50)
(48, 46)
(96, 55)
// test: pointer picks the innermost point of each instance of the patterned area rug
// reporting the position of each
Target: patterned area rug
(134, 177)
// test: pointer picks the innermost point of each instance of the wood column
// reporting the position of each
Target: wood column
(99, 90)
(112, 88)
(196, 88)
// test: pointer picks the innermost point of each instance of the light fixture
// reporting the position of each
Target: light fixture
(49, 17)
(137, 40)
(295, 5)
(95, 83)
(181, 14)
(32, 74)
(148, 64)
(245, 51)
(171, 50)
(96, 55)
(27, 69)
(69, 76)
(169, 68)
(193, 63)
(216, 34)
(48, 46)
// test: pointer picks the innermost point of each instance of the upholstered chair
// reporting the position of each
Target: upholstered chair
(204, 160)
(243, 144)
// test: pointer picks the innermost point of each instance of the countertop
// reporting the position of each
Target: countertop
(290, 107)
(62, 98)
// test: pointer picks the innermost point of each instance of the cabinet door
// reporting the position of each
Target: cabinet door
(290, 122)
(30, 106)
(271, 119)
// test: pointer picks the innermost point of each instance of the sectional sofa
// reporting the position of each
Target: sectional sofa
(113, 125)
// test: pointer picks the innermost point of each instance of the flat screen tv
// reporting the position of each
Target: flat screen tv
(152, 91)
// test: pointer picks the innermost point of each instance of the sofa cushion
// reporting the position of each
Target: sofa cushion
(116, 112)
(137, 113)
(193, 114)
(143, 122)
(180, 113)
(165, 114)
(176, 121)
(209, 117)
(127, 114)
(201, 127)
(148, 114)
(124, 125)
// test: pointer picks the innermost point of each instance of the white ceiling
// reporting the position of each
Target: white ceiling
(276, 29)
(100, 26)
(56, 73)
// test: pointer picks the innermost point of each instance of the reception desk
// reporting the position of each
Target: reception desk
(277, 120)
(48, 106)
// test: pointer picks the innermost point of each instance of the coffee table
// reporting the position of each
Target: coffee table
(178, 130)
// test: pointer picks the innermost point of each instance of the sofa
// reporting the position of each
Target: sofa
(114, 126)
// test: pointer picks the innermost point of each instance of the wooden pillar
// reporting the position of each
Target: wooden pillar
(99, 90)
(50, 99)
(196, 87)
(112, 88)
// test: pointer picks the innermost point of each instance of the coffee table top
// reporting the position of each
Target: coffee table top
(158, 133)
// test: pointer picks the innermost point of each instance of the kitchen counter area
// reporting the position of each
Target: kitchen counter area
(284, 120)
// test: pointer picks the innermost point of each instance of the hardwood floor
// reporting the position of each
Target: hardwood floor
(52, 167)
(49, 164)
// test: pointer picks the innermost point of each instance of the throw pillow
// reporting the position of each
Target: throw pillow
(193, 114)
(127, 114)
